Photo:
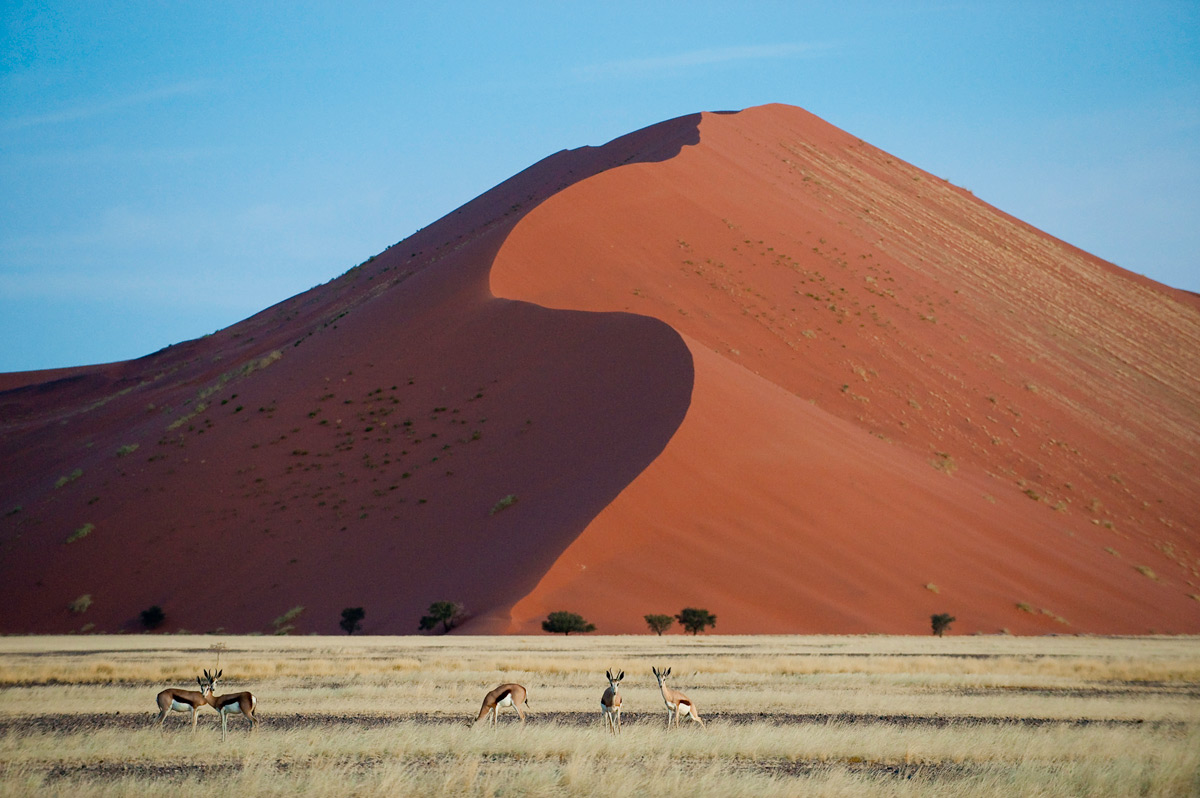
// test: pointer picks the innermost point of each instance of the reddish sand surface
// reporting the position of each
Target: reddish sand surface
(744, 362)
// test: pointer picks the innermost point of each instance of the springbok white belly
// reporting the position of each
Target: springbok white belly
(178, 707)
(234, 706)
(506, 701)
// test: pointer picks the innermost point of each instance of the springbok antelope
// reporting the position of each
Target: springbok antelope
(610, 703)
(506, 695)
(677, 703)
(175, 700)
(243, 702)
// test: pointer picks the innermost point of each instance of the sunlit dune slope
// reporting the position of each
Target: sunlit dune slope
(906, 402)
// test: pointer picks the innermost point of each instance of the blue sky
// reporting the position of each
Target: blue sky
(167, 169)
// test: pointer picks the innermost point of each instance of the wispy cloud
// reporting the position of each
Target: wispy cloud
(631, 67)
(88, 110)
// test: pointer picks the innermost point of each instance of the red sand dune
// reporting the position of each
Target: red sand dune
(745, 362)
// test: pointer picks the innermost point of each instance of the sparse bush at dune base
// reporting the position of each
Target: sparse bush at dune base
(823, 716)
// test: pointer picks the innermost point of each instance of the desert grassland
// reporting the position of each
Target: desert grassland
(786, 715)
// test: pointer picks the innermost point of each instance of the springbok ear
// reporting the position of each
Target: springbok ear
(206, 676)
(218, 676)
(668, 673)
(608, 675)
(622, 676)
(655, 670)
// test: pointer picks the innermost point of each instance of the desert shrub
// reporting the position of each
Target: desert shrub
(352, 619)
(941, 622)
(448, 613)
(283, 624)
(566, 622)
(659, 623)
(694, 619)
(152, 617)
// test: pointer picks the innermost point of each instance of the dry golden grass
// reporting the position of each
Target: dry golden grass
(826, 716)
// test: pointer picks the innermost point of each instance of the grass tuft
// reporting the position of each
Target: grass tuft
(68, 478)
(503, 504)
(81, 533)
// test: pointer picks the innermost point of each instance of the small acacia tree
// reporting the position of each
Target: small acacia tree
(152, 617)
(941, 622)
(659, 623)
(352, 619)
(448, 613)
(694, 619)
(566, 622)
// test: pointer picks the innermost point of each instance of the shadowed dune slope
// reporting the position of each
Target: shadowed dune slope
(743, 361)
(357, 445)
(906, 402)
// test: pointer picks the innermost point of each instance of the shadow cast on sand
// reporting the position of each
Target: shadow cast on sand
(559, 408)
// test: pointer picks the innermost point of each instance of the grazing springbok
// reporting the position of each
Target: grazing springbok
(677, 703)
(610, 703)
(243, 702)
(506, 695)
(174, 699)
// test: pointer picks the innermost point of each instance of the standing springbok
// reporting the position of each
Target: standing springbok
(610, 703)
(243, 702)
(677, 703)
(506, 695)
(174, 699)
